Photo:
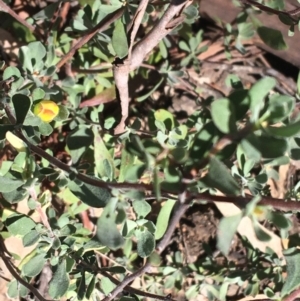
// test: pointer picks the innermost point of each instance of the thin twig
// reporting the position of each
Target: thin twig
(6, 9)
(279, 204)
(178, 211)
(127, 288)
(103, 25)
(268, 9)
(122, 67)
(135, 24)
(11, 268)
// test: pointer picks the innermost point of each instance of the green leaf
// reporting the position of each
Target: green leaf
(284, 131)
(134, 172)
(38, 94)
(204, 141)
(15, 289)
(272, 37)
(107, 286)
(145, 242)
(89, 194)
(286, 19)
(19, 224)
(279, 108)
(107, 231)
(15, 196)
(259, 232)
(103, 160)
(127, 161)
(219, 177)
(292, 282)
(22, 105)
(45, 128)
(59, 283)
(141, 207)
(33, 267)
(263, 146)
(257, 93)
(163, 218)
(81, 287)
(32, 120)
(295, 154)
(90, 288)
(223, 115)
(279, 220)
(119, 39)
(241, 102)
(30, 238)
(11, 72)
(166, 118)
(63, 113)
(37, 53)
(226, 230)
(79, 141)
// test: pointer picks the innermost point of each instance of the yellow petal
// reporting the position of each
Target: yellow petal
(16, 142)
(47, 110)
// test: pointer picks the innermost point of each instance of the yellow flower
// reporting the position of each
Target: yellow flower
(47, 110)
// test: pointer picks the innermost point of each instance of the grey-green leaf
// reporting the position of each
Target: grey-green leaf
(34, 266)
(163, 218)
(223, 115)
(107, 286)
(15, 289)
(78, 142)
(141, 207)
(272, 37)
(119, 39)
(107, 231)
(219, 177)
(103, 159)
(145, 242)
(292, 257)
(259, 232)
(60, 281)
(8, 184)
(227, 228)
(30, 238)
(19, 224)
(93, 196)
(284, 131)
(265, 146)
(257, 93)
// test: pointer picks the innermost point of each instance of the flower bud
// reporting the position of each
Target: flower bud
(47, 110)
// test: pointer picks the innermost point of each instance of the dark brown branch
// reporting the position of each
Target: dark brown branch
(240, 201)
(268, 9)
